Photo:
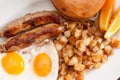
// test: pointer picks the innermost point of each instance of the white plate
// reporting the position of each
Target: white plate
(12, 9)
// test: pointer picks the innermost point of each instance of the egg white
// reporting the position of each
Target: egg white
(28, 56)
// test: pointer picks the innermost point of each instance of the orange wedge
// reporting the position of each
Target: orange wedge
(106, 14)
(114, 24)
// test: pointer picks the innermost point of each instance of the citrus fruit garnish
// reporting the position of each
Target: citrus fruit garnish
(105, 14)
(114, 24)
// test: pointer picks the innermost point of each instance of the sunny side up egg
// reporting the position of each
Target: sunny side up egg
(33, 63)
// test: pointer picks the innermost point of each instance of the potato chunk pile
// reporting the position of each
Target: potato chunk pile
(81, 47)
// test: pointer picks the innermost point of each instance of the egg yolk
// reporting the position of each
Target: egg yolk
(42, 64)
(13, 63)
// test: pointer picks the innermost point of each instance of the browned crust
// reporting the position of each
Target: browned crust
(28, 38)
(84, 9)
(30, 21)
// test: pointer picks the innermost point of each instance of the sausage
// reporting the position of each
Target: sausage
(33, 36)
(30, 21)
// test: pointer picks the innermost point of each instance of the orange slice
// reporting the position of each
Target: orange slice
(114, 24)
(106, 14)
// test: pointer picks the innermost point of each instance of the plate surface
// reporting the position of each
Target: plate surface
(10, 10)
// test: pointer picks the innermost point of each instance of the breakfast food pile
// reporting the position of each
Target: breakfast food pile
(50, 47)
(82, 48)
(28, 54)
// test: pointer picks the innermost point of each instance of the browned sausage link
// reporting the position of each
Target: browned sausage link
(30, 21)
(28, 38)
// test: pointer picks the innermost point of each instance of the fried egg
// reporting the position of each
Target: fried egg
(33, 63)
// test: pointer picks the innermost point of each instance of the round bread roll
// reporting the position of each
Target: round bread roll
(77, 9)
